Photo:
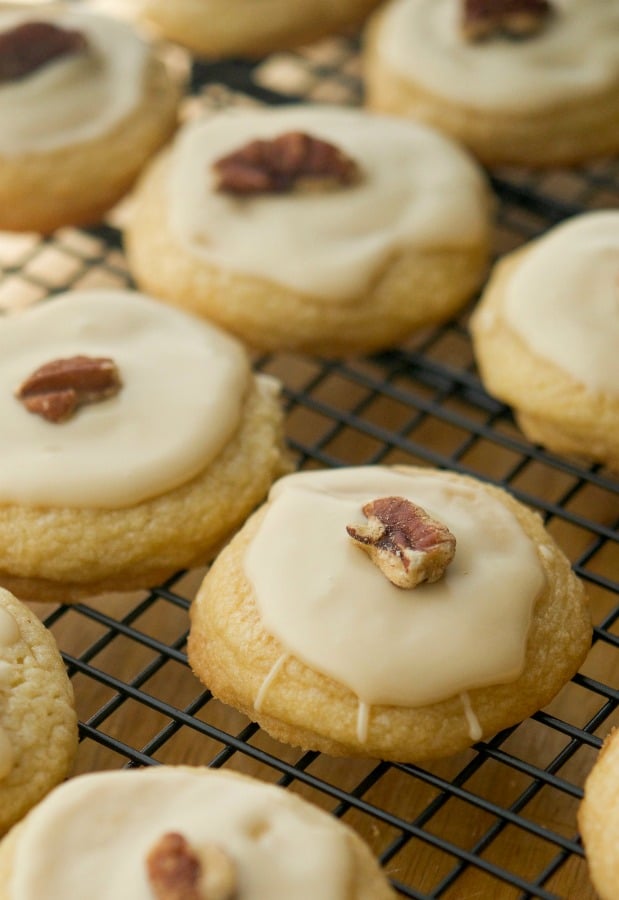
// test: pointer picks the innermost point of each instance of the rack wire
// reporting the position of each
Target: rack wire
(499, 818)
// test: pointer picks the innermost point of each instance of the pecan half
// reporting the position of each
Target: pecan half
(56, 389)
(32, 45)
(292, 161)
(175, 871)
(516, 18)
(406, 543)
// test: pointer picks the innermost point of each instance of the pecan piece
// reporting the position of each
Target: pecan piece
(294, 160)
(177, 872)
(516, 18)
(56, 389)
(32, 45)
(406, 543)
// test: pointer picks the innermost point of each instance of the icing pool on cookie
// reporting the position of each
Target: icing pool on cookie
(418, 189)
(98, 829)
(575, 56)
(77, 98)
(563, 299)
(331, 607)
(184, 384)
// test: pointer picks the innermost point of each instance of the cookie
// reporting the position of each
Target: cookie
(136, 439)
(84, 102)
(185, 832)
(316, 229)
(598, 818)
(528, 82)
(38, 727)
(546, 334)
(317, 641)
(236, 28)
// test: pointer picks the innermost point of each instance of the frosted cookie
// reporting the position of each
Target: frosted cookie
(461, 618)
(546, 335)
(533, 82)
(598, 818)
(317, 229)
(241, 28)
(83, 103)
(178, 832)
(38, 728)
(135, 440)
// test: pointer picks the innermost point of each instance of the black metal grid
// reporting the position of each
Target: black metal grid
(499, 818)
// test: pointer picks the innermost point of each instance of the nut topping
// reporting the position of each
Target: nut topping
(406, 543)
(32, 45)
(175, 871)
(56, 389)
(292, 161)
(514, 18)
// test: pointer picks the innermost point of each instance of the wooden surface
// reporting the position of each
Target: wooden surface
(330, 408)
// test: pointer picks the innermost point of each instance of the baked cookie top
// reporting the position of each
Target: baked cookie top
(65, 78)
(332, 607)
(10, 635)
(562, 299)
(574, 54)
(411, 187)
(108, 830)
(38, 726)
(108, 398)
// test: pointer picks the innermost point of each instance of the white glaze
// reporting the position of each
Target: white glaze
(98, 829)
(387, 645)
(563, 299)
(268, 681)
(74, 99)
(475, 730)
(184, 383)
(575, 56)
(363, 721)
(418, 190)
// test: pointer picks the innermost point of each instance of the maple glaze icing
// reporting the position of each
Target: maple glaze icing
(98, 829)
(388, 645)
(417, 189)
(562, 299)
(574, 56)
(76, 98)
(184, 383)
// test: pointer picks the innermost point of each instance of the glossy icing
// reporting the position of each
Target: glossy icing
(184, 384)
(107, 823)
(74, 99)
(418, 190)
(576, 55)
(562, 299)
(388, 645)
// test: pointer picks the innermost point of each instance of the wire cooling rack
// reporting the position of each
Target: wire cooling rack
(497, 820)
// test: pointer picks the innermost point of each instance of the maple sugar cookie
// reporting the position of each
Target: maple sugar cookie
(546, 334)
(316, 229)
(83, 103)
(400, 613)
(251, 29)
(136, 439)
(532, 82)
(38, 727)
(177, 832)
(598, 818)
